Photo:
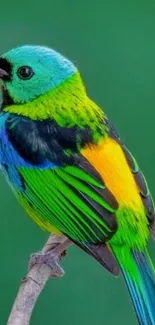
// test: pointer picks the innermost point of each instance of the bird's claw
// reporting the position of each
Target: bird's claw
(48, 259)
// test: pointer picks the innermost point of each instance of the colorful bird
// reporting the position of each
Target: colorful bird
(70, 171)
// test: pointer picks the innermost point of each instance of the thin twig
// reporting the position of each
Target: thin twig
(33, 284)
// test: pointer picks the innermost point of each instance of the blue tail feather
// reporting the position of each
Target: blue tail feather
(142, 291)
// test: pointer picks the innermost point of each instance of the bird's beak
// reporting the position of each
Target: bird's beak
(3, 74)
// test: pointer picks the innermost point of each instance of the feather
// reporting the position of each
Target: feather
(139, 178)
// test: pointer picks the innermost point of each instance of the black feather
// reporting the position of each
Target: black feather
(141, 182)
(45, 140)
(103, 255)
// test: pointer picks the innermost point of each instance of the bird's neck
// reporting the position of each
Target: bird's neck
(67, 104)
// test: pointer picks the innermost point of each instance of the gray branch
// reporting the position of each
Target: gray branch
(33, 284)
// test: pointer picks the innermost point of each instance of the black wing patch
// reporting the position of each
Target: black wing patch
(45, 140)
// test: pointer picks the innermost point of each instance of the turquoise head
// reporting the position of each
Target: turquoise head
(30, 71)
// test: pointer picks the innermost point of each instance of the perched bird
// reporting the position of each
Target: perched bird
(70, 171)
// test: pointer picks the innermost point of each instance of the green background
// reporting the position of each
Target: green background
(113, 44)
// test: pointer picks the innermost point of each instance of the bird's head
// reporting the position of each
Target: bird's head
(30, 71)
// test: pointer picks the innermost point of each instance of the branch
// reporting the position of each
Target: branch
(33, 284)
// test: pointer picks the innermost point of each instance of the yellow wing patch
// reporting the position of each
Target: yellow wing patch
(109, 160)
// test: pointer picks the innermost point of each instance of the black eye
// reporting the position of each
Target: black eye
(25, 73)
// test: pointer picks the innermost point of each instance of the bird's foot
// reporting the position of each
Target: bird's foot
(54, 251)
(50, 260)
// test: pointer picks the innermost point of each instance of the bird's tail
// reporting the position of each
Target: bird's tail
(139, 275)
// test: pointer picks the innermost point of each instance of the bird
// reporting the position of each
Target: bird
(70, 170)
